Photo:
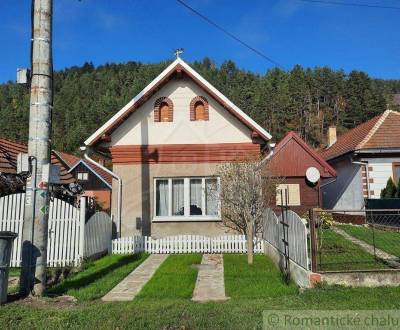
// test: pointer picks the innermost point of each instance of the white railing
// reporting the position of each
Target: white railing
(70, 238)
(296, 235)
(184, 244)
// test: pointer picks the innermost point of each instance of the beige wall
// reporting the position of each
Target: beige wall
(137, 199)
(140, 127)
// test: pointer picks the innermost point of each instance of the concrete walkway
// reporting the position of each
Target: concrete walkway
(210, 285)
(389, 258)
(131, 285)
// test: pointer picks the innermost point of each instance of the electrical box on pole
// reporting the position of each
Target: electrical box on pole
(50, 174)
(23, 75)
(23, 164)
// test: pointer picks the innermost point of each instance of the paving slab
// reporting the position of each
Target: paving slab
(131, 285)
(210, 284)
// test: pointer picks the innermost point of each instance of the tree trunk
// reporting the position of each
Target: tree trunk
(250, 248)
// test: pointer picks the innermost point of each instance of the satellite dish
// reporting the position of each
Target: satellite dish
(313, 175)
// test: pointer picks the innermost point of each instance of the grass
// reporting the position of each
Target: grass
(262, 279)
(388, 241)
(252, 290)
(98, 277)
(338, 253)
(175, 278)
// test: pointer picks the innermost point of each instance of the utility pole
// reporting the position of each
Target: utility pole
(35, 230)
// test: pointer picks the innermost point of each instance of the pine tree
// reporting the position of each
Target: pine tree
(390, 190)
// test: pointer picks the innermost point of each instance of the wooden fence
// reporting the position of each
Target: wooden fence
(184, 244)
(297, 234)
(71, 238)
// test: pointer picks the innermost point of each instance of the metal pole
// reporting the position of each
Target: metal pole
(37, 198)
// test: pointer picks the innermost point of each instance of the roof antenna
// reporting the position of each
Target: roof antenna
(178, 52)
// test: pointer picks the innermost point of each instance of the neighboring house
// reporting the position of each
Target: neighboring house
(166, 144)
(291, 158)
(364, 159)
(94, 181)
(10, 181)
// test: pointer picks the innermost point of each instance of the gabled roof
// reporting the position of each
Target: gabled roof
(178, 66)
(72, 162)
(100, 173)
(292, 157)
(9, 151)
(380, 132)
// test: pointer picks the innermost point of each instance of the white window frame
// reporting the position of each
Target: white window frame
(186, 199)
(83, 175)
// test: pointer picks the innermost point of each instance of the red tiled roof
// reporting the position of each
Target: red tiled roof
(380, 132)
(293, 156)
(9, 151)
(71, 161)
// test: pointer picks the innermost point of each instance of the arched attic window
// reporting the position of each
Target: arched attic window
(199, 109)
(163, 109)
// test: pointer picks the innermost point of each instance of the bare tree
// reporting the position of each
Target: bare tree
(247, 188)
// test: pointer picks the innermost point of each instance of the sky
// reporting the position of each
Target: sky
(288, 31)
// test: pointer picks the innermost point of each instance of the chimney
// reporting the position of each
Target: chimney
(331, 136)
(101, 161)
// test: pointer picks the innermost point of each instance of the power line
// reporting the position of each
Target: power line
(350, 4)
(219, 27)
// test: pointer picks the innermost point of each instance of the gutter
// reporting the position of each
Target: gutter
(116, 177)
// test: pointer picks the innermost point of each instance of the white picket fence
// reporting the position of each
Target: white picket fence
(297, 235)
(184, 244)
(71, 238)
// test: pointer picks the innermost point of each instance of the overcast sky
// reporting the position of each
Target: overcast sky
(289, 31)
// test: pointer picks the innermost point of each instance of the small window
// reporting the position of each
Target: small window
(188, 198)
(199, 112)
(163, 110)
(199, 109)
(291, 192)
(83, 176)
(396, 172)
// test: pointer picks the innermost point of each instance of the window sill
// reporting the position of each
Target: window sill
(186, 219)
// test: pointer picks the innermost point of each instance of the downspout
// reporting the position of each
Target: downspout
(366, 172)
(119, 180)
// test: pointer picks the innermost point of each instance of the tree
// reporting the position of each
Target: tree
(390, 190)
(247, 189)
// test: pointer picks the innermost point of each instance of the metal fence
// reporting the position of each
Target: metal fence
(351, 240)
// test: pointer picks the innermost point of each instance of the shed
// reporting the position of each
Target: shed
(291, 158)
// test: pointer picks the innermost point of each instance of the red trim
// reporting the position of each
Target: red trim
(178, 68)
(183, 153)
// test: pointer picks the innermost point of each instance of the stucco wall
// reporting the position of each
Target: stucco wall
(346, 192)
(140, 127)
(137, 199)
(380, 169)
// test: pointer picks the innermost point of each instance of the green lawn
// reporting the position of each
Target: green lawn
(175, 279)
(338, 253)
(98, 277)
(388, 241)
(167, 305)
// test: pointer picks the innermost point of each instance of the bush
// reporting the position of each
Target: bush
(390, 191)
(325, 218)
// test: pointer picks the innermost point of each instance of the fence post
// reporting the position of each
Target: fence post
(313, 241)
(82, 216)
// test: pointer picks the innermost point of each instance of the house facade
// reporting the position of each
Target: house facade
(291, 159)
(364, 158)
(166, 145)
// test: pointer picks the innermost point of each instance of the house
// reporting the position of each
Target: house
(364, 159)
(95, 182)
(10, 181)
(291, 159)
(166, 144)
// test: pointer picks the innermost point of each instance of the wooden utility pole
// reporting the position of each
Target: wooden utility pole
(35, 230)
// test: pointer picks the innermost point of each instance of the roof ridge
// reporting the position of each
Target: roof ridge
(373, 129)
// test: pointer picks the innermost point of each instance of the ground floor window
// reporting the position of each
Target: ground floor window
(187, 198)
(289, 191)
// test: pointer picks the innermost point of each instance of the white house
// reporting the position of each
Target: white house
(166, 144)
(364, 158)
